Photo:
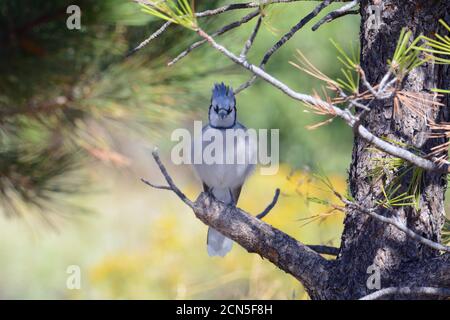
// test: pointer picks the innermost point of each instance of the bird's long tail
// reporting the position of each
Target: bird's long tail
(218, 244)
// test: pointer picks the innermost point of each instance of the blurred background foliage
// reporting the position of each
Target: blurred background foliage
(78, 121)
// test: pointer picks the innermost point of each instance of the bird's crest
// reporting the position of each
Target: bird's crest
(221, 91)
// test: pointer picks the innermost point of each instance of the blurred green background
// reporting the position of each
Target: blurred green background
(78, 122)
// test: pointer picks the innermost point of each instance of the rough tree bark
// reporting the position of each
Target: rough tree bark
(366, 241)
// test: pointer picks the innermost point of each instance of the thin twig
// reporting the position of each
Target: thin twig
(359, 105)
(293, 30)
(206, 13)
(383, 81)
(238, 6)
(380, 91)
(271, 205)
(366, 82)
(219, 32)
(234, 6)
(283, 40)
(246, 84)
(335, 14)
(155, 35)
(346, 115)
(155, 185)
(428, 291)
(251, 39)
(396, 223)
(171, 185)
(225, 8)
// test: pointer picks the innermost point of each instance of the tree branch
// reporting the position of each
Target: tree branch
(293, 30)
(155, 35)
(283, 40)
(206, 13)
(421, 291)
(342, 11)
(259, 237)
(213, 12)
(251, 39)
(396, 223)
(247, 5)
(171, 185)
(219, 32)
(256, 236)
(270, 206)
(155, 185)
(344, 114)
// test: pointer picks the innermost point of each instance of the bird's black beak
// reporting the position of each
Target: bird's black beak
(222, 114)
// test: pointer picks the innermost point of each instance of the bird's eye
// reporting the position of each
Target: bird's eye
(229, 111)
(216, 109)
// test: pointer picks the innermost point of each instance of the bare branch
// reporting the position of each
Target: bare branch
(396, 223)
(251, 39)
(256, 236)
(384, 81)
(206, 13)
(372, 89)
(235, 6)
(342, 11)
(155, 35)
(293, 30)
(219, 32)
(346, 115)
(422, 291)
(283, 40)
(155, 185)
(171, 185)
(246, 84)
(270, 206)
(400, 152)
(230, 7)
(238, 6)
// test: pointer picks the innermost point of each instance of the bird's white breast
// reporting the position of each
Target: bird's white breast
(222, 175)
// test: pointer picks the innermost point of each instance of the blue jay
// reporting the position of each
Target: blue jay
(224, 180)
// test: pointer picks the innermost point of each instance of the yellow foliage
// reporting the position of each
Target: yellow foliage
(173, 264)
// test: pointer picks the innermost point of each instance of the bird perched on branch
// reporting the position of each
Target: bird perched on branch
(233, 158)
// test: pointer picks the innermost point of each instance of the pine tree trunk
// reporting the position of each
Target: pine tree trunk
(365, 241)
